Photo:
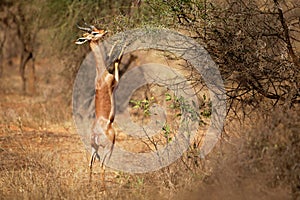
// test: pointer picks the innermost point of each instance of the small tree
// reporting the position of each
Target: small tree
(25, 19)
(255, 44)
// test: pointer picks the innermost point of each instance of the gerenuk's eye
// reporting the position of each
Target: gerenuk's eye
(81, 40)
(94, 33)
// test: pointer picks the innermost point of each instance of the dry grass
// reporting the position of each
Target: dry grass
(263, 163)
(54, 165)
(42, 157)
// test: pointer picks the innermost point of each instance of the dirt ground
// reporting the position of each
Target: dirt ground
(43, 157)
(41, 154)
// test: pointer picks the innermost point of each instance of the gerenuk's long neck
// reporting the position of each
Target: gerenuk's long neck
(104, 84)
(98, 52)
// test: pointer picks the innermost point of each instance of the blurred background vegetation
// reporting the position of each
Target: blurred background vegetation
(256, 44)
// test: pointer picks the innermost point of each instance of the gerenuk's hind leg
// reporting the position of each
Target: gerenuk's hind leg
(92, 161)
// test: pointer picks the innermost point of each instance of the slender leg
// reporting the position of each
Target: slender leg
(103, 176)
(117, 72)
(91, 167)
(107, 154)
(92, 160)
(117, 63)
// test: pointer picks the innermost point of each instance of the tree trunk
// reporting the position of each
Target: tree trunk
(27, 71)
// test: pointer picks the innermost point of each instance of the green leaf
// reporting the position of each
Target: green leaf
(136, 106)
(132, 101)
(168, 97)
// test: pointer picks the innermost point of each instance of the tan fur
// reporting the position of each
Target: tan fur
(102, 132)
(104, 104)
